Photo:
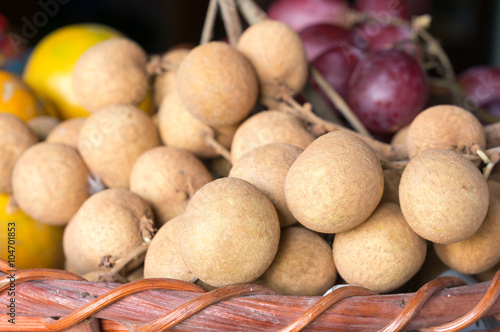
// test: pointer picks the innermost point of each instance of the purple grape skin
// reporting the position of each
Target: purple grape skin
(320, 37)
(387, 90)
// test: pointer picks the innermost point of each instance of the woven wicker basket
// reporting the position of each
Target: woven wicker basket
(42, 295)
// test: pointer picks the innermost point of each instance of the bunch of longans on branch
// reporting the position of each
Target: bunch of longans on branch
(296, 197)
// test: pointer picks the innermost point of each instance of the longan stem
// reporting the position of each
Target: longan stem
(134, 254)
(146, 228)
(339, 102)
(214, 144)
(231, 20)
(319, 104)
(208, 26)
(491, 157)
(138, 253)
(386, 151)
(486, 160)
(251, 11)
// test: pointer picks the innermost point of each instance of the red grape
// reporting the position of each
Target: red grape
(378, 37)
(300, 14)
(481, 83)
(384, 9)
(387, 90)
(320, 37)
(337, 64)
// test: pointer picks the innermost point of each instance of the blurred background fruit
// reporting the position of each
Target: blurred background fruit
(37, 245)
(17, 98)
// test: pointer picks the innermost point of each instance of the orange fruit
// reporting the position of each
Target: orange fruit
(18, 99)
(29, 243)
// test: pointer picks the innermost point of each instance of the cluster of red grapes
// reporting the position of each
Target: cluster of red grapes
(376, 65)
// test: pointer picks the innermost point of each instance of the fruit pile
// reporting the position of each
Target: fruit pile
(238, 176)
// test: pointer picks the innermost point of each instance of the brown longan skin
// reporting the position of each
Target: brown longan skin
(67, 132)
(178, 128)
(166, 178)
(443, 196)
(303, 265)
(478, 253)
(278, 56)
(446, 127)
(269, 127)
(112, 139)
(163, 258)
(111, 72)
(50, 182)
(15, 138)
(108, 223)
(335, 184)
(382, 253)
(266, 168)
(217, 84)
(230, 233)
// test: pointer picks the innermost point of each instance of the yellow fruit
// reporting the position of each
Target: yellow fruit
(16, 98)
(36, 245)
(50, 66)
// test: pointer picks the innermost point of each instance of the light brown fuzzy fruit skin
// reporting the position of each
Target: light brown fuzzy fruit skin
(278, 56)
(112, 139)
(303, 265)
(163, 259)
(178, 128)
(230, 233)
(382, 253)
(443, 196)
(444, 127)
(335, 184)
(481, 251)
(108, 223)
(67, 132)
(15, 138)
(266, 168)
(167, 178)
(50, 182)
(111, 72)
(167, 82)
(217, 84)
(42, 125)
(269, 127)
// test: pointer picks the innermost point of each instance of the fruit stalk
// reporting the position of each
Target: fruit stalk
(208, 27)
(339, 102)
(386, 152)
(231, 20)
